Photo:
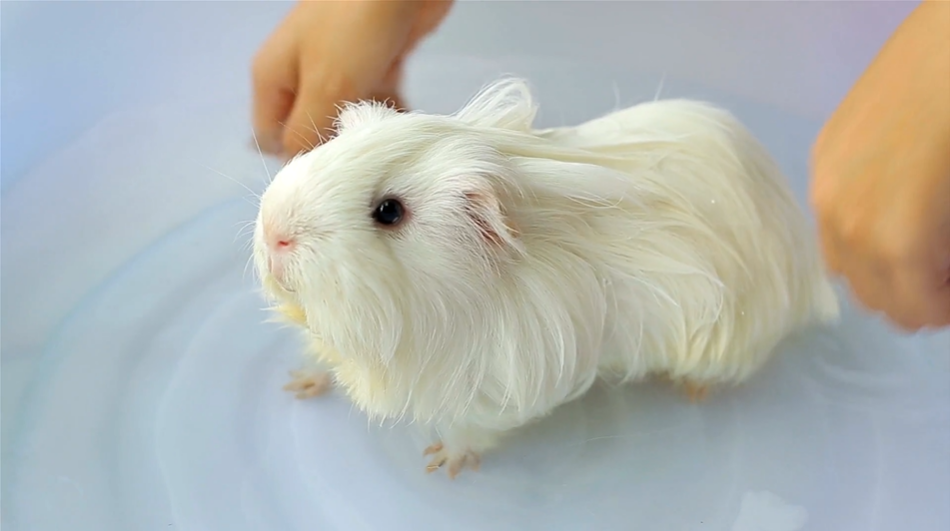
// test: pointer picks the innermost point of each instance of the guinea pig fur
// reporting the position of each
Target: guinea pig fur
(471, 273)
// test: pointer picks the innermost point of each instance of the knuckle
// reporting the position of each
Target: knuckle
(902, 240)
(864, 295)
(905, 325)
(938, 314)
(896, 247)
(902, 319)
(332, 86)
(851, 228)
(919, 311)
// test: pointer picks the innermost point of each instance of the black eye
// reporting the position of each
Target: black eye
(389, 212)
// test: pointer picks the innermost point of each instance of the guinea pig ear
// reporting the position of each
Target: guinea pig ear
(352, 115)
(488, 216)
(504, 104)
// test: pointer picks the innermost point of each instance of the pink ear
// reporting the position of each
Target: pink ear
(488, 215)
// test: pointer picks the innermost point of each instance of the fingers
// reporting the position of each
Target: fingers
(921, 297)
(311, 121)
(868, 284)
(274, 77)
(880, 180)
(907, 301)
(388, 91)
(906, 281)
(326, 54)
(913, 293)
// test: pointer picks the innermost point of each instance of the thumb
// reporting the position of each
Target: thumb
(274, 74)
(310, 122)
(347, 68)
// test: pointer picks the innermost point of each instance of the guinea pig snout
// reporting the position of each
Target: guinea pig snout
(278, 241)
(280, 244)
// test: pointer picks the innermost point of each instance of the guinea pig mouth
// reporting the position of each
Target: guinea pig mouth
(277, 289)
(275, 271)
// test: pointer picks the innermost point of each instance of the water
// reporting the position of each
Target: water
(142, 389)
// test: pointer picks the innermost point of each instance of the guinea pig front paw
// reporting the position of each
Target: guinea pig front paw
(454, 461)
(308, 383)
(696, 392)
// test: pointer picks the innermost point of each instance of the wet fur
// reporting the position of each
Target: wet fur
(659, 239)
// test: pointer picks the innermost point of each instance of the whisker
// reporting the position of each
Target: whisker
(235, 181)
(248, 240)
(247, 234)
(241, 232)
(246, 224)
(247, 265)
(267, 176)
(250, 201)
(660, 88)
(321, 139)
(312, 123)
(304, 138)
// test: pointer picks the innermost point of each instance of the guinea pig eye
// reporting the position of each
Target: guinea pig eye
(389, 212)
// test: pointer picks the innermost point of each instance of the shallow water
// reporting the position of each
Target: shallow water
(142, 387)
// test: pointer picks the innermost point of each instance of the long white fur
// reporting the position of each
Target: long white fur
(659, 239)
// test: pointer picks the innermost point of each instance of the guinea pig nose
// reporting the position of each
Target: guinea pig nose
(282, 244)
(278, 241)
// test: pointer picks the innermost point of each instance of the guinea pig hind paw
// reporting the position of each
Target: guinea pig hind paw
(696, 392)
(455, 461)
(308, 383)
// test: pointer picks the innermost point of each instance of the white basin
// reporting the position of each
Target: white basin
(141, 387)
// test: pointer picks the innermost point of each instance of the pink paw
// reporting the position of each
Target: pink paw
(307, 383)
(455, 461)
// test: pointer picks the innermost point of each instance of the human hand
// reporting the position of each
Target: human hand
(881, 177)
(326, 53)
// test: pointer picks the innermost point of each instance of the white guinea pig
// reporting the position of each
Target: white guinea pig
(471, 273)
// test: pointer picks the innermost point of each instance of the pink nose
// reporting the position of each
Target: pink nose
(282, 243)
(278, 241)
(279, 244)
